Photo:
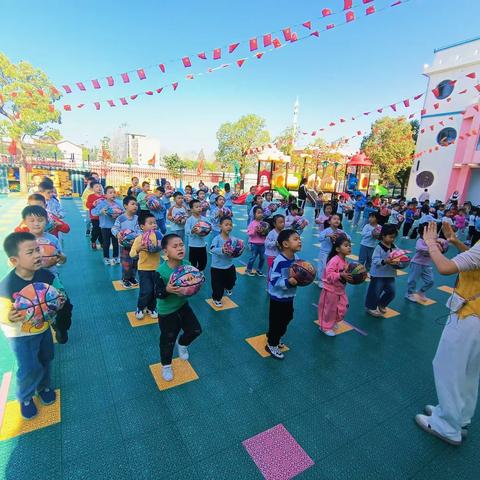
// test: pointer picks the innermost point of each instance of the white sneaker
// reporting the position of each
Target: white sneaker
(428, 410)
(229, 293)
(374, 313)
(115, 261)
(328, 333)
(336, 326)
(218, 304)
(152, 313)
(274, 352)
(107, 261)
(411, 297)
(423, 422)
(167, 373)
(182, 351)
(139, 315)
(421, 296)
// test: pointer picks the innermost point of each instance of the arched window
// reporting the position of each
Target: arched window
(444, 89)
(425, 179)
(446, 136)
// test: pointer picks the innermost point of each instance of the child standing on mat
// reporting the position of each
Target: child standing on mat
(92, 200)
(30, 338)
(333, 303)
(177, 214)
(175, 314)
(271, 245)
(147, 265)
(257, 243)
(216, 213)
(142, 199)
(222, 270)
(128, 220)
(161, 214)
(381, 290)
(197, 246)
(282, 289)
(368, 242)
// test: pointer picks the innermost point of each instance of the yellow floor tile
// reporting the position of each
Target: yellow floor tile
(227, 304)
(343, 327)
(147, 320)
(117, 285)
(446, 289)
(183, 372)
(14, 425)
(242, 270)
(400, 273)
(426, 302)
(259, 342)
(390, 313)
(353, 257)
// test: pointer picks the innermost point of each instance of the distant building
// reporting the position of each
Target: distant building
(69, 150)
(452, 148)
(142, 150)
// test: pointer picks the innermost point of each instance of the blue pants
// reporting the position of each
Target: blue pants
(34, 354)
(146, 293)
(356, 217)
(257, 251)
(381, 292)
(162, 226)
(416, 271)
(365, 256)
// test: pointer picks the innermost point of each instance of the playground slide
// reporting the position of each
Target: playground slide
(283, 192)
(241, 199)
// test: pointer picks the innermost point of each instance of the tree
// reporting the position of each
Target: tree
(26, 107)
(389, 146)
(174, 164)
(285, 142)
(403, 175)
(235, 139)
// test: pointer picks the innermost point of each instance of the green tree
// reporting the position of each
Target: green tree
(26, 106)
(174, 164)
(403, 175)
(285, 142)
(236, 138)
(389, 146)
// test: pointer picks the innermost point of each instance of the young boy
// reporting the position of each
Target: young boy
(47, 189)
(381, 289)
(147, 265)
(368, 242)
(369, 208)
(133, 188)
(177, 214)
(174, 311)
(197, 245)
(358, 207)
(92, 201)
(30, 340)
(222, 271)
(161, 214)
(409, 219)
(282, 290)
(216, 213)
(128, 220)
(142, 199)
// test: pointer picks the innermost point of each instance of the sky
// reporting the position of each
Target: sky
(373, 61)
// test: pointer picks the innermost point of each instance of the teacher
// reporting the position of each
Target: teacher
(302, 193)
(456, 366)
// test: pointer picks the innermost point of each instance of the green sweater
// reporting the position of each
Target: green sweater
(166, 306)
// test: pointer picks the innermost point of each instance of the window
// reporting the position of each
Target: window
(444, 89)
(425, 179)
(446, 136)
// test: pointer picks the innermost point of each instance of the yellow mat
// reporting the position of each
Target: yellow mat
(259, 342)
(390, 313)
(446, 289)
(147, 320)
(183, 372)
(227, 304)
(118, 286)
(343, 327)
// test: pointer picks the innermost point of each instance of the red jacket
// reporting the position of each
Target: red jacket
(91, 203)
(60, 226)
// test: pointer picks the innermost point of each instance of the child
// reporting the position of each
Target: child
(216, 213)
(213, 196)
(177, 214)
(323, 217)
(201, 195)
(460, 221)
(358, 207)
(133, 189)
(161, 214)
(248, 201)
(368, 242)
(326, 238)
(369, 208)
(197, 245)
(318, 204)
(271, 246)
(333, 303)
(147, 265)
(30, 340)
(282, 289)
(420, 266)
(47, 189)
(394, 218)
(128, 220)
(228, 196)
(92, 201)
(409, 219)
(142, 199)
(222, 271)
(257, 202)
(36, 218)
(257, 244)
(174, 311)
(106, 223)
(292, 214)
(381, 290)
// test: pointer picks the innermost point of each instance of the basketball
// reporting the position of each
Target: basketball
(358, 272)
(153, 203)
(303, 272)
(233, 247)
(49, 252)
(126, 237)
(400, 218)
(188, 278)
(37, 303)
(337, 234)
(377, 232)
(400, 257)
(203, 228)
(180, 219)
(205, 206)
(152, 240)
(263, 228)
(113, 211)
(443, 244)
(299, 223)
(226, 212)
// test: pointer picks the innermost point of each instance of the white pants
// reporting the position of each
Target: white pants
(321, 264)
(456, 368)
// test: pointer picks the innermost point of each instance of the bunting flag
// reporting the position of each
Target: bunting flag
(307, 25)
(347, 4)
(81, 86)
(202, 55)
(125, 78)
(162, 67)
(67, 89)
(97, 105)
(141, 74)
(232, 47)
(175, 85)
(217, 53)
(111, 103)
(96, 84)
(326, 12)
(110, 81)
(253, 44)
(287, 34)
(123, 101)
(349, 16)
(240, 62)
(370, 10)
(186, 62)
(276, 43)
(267, 40)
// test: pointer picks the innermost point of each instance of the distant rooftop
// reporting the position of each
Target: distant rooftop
(463, 42)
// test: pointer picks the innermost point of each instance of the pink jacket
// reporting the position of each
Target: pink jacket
(331, 279)
(253, 236)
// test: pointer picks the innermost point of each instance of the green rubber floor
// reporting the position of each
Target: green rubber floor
(348, 401)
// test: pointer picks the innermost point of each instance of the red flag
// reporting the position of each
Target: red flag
(141, 74)
(54, 91)
(326, 12)
(314, 133)
(422, 130)
(367, 1)
(125, 78)
(294, 37)
(202, 55)
(462, 92)
(200, 166)
(110, 81)
(367, 113)
(80, 105)
(123, 101)
(253, 44)
(436, 106)
(432, 127)
(379, 110)
(347, 4)
(186, 62)
(442, 123)
(436, 91)
(449, 99)
(276, 43)
(189, 77)
(217, 53)
(437, 148)
(477, 87)
(97, 105)
(471, 75)
(411, 115)
(232, 47)
(406, 103)
(416, 97)
(330, 26)
(159, 90)
(307, 24)
(267, 39)
(477, 108)
(349, 16)
(67, 88)
(12, 148)
(162, 67)
(370, 10)
(40, 92)
(342, 120)
(175, 85)
(148, 92)
(51, 108)
(240, 62)
(152, 160)
(67, 108)
(315, 33)
(287, 34)
(393, 107)
(133, 97)
(96, 84)
(259, 54)
(81, 86)
(359, 132)
(111, 103)
(423, 112)
(331, 124)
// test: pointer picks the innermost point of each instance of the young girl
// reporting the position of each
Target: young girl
(271, 246)
(174, 312)
(257, 243)
(216, 213)
(292, 214)
(222, 271)
(333, 303)
(213, 196)
(461, 222)
(324, 216)
(368, 242)
(381, 290)
(282, 289)
(228, 196)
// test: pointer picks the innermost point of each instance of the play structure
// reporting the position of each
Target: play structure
(358, 173)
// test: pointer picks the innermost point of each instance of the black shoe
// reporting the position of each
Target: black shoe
(62, 337)
(133, 282)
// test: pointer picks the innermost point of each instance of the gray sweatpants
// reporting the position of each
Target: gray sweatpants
(417, 271)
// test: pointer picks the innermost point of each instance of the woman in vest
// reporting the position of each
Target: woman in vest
(456, 366)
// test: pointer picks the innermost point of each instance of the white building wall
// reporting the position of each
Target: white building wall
(147, 147)
(69, 150)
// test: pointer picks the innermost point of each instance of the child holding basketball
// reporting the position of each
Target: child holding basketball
(222, 270)
(30, 338)
(174, 312)
(282, 289)
(127, 220)
(147, 265)
(216, 213)
(92, 200)
(271, 245)
(381, 289)
(142, 199)
(257, 243)
(333, 302)
(177, 214)
(197, 246)
(161, 214)
(368, 242)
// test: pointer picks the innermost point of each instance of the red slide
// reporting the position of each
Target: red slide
(241, 199)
